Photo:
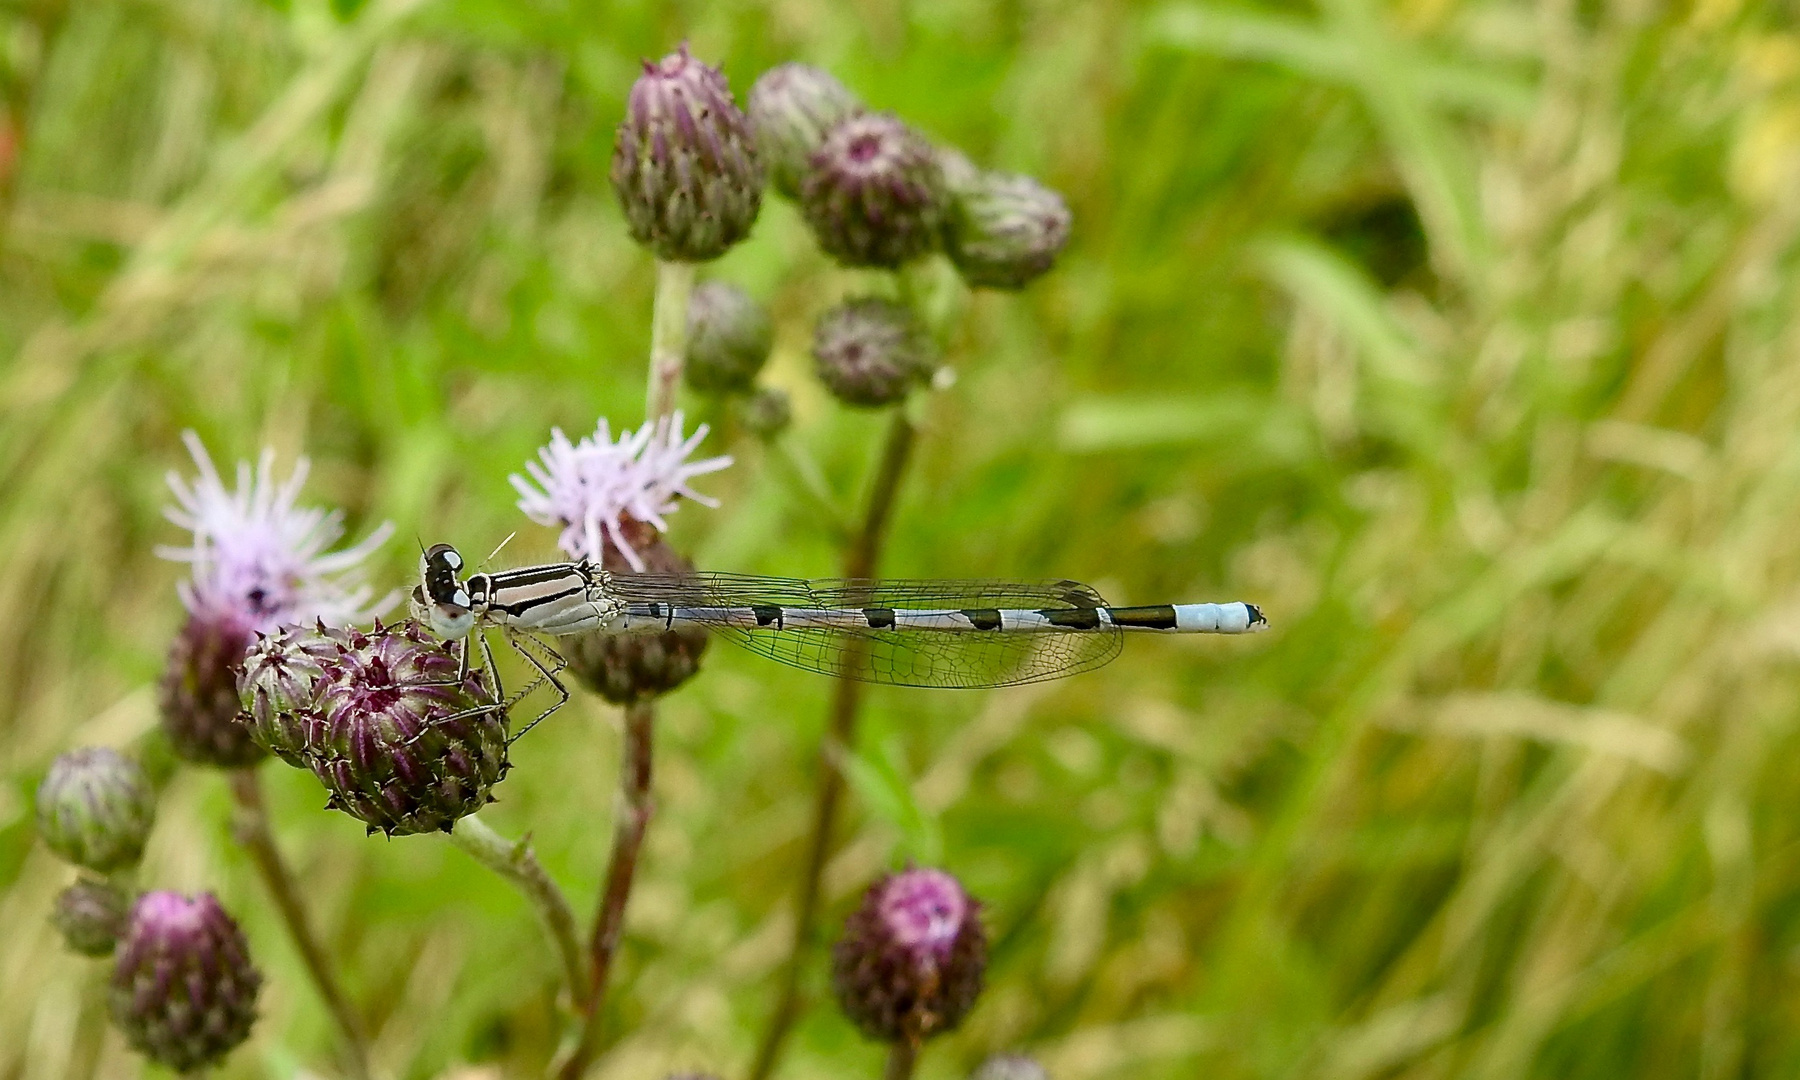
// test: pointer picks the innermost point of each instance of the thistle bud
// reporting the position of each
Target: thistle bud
(873, 192)
(276, 687)
(95, 807)
(767, 413)
(400, 743)
(729, 339)
(198, 692)
(870, 352)
(911, 959)
(1003, 230)
(91, 915)
(183, 988)
(623, 668)
(792, 107)
(685, 165)
(1010, 1067)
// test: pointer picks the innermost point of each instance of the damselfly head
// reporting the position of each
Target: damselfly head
(441, 600)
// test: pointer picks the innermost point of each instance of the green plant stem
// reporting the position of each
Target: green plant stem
(668, 336)
(902, 1056)
(634, 811)
(252, 829)
(515, 861)
(840, 738)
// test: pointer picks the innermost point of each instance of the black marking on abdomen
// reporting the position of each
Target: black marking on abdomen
(1158, 617)
(983, 618)
(767, 614)
(881, 618)
(1074, 618)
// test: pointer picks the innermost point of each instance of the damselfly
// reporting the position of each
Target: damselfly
(963, 634)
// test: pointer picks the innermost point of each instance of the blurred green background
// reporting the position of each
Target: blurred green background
(1459, 334)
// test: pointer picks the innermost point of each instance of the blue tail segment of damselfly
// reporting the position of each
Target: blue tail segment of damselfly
(933, 633)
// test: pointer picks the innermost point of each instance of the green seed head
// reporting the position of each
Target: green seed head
(95, 808)
(1004, 230)
(792, 107)
(729, 339)
(91, 914)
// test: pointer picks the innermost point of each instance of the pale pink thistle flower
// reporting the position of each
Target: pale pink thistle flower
(258, 562)
(596, 487)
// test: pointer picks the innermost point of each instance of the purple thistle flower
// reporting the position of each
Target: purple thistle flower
(183, 988)
(258, 562)
(911, 960)
(259, 558)
(595, 487)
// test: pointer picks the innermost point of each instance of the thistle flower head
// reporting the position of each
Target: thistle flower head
(95, 807)
(278, 684)
(729, 339)
(791, 108)
(911, 960)
(260, 559)
(869, 352)
(1003, 230)
(873, 192)
(183, 988)
(91, 914)
(399, 742)
(593, 488)
(623, 668)
(767, 412)
(685, 165)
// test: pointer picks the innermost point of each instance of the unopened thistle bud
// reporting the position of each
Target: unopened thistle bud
(768, 412)
(1002, 229)
(1010, 1067)
(911, 959)
(183, 988)
(623, 668)
(276, 688)
(792, 107)
(95, 808)
(870, 352)
(91, 915)
(873, 193)
(400, 743)
(198, 692)
(729, 339)
(685, 164)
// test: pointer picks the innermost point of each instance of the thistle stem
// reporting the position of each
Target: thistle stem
(902, 1056)
(252, 830)
(840, 739)
(515, 861)
(634, 811)
(668, 335)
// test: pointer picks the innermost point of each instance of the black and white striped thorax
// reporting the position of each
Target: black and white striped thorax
(907, 632)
